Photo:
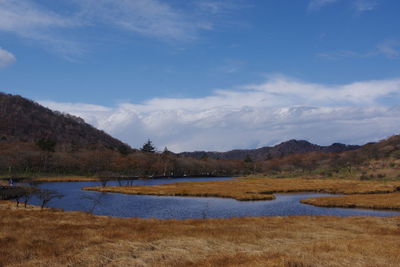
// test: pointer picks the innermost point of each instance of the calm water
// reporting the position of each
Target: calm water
(164, 207)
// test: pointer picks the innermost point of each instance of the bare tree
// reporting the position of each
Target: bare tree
(103, 181)
(28, 193)
(46, 195)
(94, 199)
(17, 193)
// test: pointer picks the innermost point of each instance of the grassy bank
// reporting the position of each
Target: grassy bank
(55, 238)
(255, 189)
(369, 201)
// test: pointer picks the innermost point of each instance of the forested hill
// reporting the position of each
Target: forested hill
(23, 120)
(35, 140)
(265, 153)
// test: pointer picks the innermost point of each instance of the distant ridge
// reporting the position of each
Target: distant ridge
(23, 120)
(280, 150)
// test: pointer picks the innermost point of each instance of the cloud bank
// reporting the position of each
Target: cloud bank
(253, 116)
(6, 58)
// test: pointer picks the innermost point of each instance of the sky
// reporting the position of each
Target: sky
(210, 74)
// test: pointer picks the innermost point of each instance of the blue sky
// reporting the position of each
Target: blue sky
(212, 74)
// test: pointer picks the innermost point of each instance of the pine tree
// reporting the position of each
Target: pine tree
(248, 159)
(148, 147)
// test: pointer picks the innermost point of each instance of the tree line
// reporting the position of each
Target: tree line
(27, 158)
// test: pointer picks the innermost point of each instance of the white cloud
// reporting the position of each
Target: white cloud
(231, 66)
(253, 116)
(339, 54)
(365, 5)
(60, 28)
(215, 7)
(147, 17)
(317, 4)
(6, 58)
(359, 5)
(29, 20)
(24, 16)
(388, 48)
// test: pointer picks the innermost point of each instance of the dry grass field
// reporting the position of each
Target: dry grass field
(55, 238)
(371, 201)
(10, 205)
(256, 189)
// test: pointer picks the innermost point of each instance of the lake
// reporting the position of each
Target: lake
(168, 207)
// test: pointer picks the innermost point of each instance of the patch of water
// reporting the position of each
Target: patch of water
(166, 207)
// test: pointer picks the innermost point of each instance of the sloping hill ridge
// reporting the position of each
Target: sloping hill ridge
(23, 120)
(283, 149)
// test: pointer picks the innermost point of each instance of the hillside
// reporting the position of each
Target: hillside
(280, 150)
(23, 120)
(35, 140)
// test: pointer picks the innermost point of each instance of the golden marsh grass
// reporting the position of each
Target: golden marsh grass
(56, 238)
(255, 189)
(369, 201)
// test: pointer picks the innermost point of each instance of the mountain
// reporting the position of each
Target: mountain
(23, 120)
(382, 150)
(35, 140)
(283, 149)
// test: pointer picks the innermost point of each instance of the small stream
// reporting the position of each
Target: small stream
(168, 207)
